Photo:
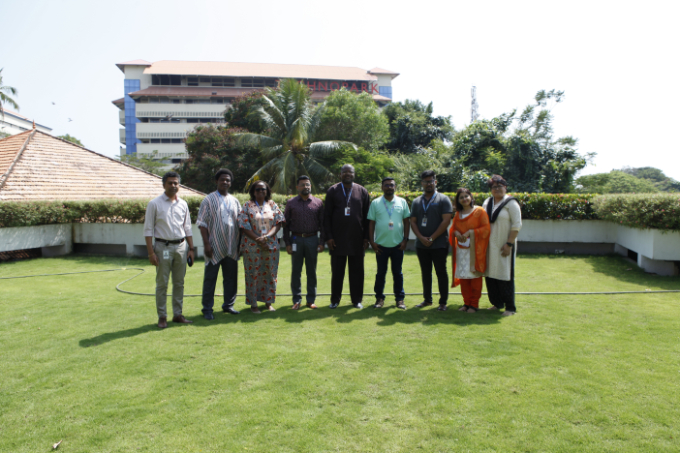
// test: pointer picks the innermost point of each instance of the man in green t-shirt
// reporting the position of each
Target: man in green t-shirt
(388, 231)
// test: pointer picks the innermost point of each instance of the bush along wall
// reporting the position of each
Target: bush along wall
(660, 211)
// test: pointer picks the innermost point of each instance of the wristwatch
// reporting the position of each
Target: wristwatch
(509, 244)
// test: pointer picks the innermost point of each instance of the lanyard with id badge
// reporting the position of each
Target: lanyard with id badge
(263, 226)
(426, 207)
(348, 197)
(389, 212)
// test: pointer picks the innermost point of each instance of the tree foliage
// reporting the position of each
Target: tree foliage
(354, 118)
(240, 114)
(286, 146)
(211, 147)
(614, 182)
(6, 93)
(141, 161)
(522, 148)
(413, 127)
(655, 176)
(71, 139)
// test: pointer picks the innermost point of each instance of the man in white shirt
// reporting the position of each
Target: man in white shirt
(169, 223)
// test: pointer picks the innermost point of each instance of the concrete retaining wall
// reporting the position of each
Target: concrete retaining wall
(657, 252)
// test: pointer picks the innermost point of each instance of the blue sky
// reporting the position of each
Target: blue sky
(616, 61)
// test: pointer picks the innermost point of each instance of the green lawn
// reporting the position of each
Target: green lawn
(84, 363)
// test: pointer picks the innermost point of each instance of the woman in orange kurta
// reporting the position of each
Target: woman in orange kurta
(469, 237)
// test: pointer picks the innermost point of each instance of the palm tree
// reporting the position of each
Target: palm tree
(286, 147)
(4, 98)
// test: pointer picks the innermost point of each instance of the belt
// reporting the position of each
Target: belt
(304, 235)
(166, 242)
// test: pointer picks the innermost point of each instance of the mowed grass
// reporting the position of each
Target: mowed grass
(84, 363)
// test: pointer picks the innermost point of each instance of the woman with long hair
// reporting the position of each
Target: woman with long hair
(469, 239)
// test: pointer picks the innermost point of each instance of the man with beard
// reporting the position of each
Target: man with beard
(167, 231)
(218, 223)
(388, 234)
(431, 215)
(303, 235)
(346, 230)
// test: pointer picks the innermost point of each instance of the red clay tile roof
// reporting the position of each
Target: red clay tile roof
(75, 173)
(222, 68)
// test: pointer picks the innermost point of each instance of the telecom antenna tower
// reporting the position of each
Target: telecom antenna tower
(473, 105)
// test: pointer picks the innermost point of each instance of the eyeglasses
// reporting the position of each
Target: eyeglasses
(427, 183)
(260, 189)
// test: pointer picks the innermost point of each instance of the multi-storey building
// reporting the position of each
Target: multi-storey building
(163, 101)
(12, 123)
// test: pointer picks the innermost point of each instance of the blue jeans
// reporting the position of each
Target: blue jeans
(397, 257)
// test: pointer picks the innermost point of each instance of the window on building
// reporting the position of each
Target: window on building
(176, 140)
(166, 140)
(154, 120)
(153, 101)
(202, 101)
(192, 81)
(217, 81)
(192, 120)
(143, 100)
(188, 101)
(217, 101)
(258, 83)
(229, 82)
(164, 100)
(176, 101)
(273, 83)
(247, 83)
(204, 79)
(164, 79)
(155, 140)
(176, 161)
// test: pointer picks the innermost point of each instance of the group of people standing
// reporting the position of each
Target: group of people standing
(482, 241)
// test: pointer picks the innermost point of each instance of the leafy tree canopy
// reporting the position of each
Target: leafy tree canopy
(212, 147)
(369, 166)
(71, 139)
(614, 182)
(6, 93)
(413, 127)
(287, 147)
(141, 161)
(353, 117)
(240, 114)
(655, 176)
(522, 148)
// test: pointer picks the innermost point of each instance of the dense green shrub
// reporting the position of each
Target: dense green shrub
(661, 211)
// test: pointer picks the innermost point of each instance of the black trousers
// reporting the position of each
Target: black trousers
(356, 277)
(428, 257)
(502, 293)
(229, 283)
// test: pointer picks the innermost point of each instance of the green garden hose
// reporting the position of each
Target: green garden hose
(526, 293)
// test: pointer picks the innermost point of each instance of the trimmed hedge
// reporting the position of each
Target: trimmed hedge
(660, 211)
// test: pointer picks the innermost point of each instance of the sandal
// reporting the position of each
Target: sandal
(401, 305)
(463, 308)
(508, 313)
(255, 310)
(296, 306)
(474, 309)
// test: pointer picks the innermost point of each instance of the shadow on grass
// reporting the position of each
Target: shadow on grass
(342, 314)
(615, 266)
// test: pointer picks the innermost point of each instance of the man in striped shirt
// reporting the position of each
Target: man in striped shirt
(218, 223)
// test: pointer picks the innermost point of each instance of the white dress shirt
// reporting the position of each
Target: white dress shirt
(167, 219)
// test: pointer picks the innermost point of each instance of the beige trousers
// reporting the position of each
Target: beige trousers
(172, 259)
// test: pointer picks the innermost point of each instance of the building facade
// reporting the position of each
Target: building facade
(11, 123)
(165, 100)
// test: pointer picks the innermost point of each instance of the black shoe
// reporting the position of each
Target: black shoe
(231, 311)
(424, 304)
(208, 316)
(358, 305)
(334, 305)
(442, 307)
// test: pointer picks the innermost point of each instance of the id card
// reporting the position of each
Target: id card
(295, 247)
(391, 225)
(347, 211)
(424, 222)
(166, 254)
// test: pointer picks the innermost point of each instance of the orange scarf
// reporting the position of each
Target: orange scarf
(477, 221)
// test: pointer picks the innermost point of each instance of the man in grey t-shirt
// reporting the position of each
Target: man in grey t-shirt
(431, 215)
